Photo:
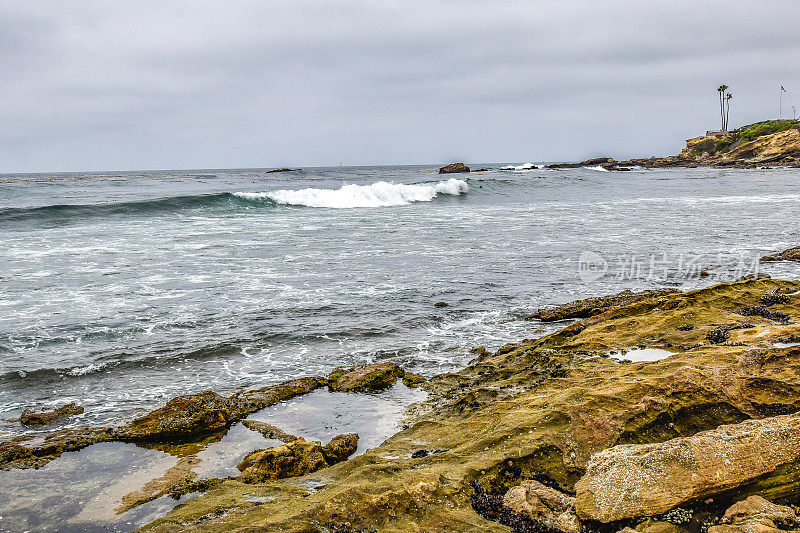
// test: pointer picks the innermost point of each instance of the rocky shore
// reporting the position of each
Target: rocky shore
(562, 433)
(768, 143)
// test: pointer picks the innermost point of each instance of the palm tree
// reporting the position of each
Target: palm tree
(721, 90)
(727, 109)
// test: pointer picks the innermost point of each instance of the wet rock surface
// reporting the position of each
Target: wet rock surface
(539, 410)
(295, 458)
(543, 504)
(43, 418)
(268, 430)
(363, 378)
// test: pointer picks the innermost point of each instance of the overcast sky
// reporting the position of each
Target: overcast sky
(169, 84)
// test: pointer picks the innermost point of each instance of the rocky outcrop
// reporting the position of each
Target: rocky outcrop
(588, 307)
(179, 474)
(281, 170)
(757, 515)
(295, 458)
(792, 254)
(18, 453)
(644, 480)
(188, 416)
(540, 409)
(43, 418)
(454, 168)
(544, 505)
(363, 378)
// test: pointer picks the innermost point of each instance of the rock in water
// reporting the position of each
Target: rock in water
(755, 514)
(31, 418)
(634, 480)
(543, 504)
(182, 416)
(340, 448)
(362, 378)
(454, 168)
(296, 458)
(792, 254)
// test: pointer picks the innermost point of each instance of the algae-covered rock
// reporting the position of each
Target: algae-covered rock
(642, 480)
(364, 378)
(543, 504)
(43, 418)
(181, 473)
(340, 448)
(289, 460)
(588, 307)
(182, 417)
(410, 379)
(757, 515)
(454, 168)
(792, 254)
(539, 409)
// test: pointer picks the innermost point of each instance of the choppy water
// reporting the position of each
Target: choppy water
(121, 290)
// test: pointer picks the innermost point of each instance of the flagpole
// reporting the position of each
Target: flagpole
(780, 104)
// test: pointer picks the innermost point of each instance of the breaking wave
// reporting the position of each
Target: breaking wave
(380, 194)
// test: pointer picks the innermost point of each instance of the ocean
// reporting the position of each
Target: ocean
(120, 290)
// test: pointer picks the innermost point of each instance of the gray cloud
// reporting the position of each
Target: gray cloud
(98, 85)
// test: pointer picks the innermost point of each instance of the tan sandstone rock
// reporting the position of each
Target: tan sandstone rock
(627, 481)
(364, 378)
(757, 515)
(544, 504)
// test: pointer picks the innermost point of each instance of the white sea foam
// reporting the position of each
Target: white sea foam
(522, 167)
(380, 194)
(597, 168)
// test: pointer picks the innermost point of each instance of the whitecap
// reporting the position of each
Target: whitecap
(380, 194)
(597, 168)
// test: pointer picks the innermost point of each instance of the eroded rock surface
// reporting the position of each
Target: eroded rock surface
(642, 480)
(757, 515)
(543, 504)
(268, 430)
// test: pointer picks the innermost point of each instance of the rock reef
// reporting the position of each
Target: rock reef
(454, 168)
(518, 434)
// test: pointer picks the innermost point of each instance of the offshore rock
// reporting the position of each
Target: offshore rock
(627, 481)
(588, 307)
(543, 504)
(792, 254)
(454, 168)
(31, 418)
(362, 378)
(757, 515)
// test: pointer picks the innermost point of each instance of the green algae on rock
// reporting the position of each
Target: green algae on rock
(538, 409)
(363, 378)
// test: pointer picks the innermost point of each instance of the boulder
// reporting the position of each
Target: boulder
(757, 515)
(633, 480)
(792, 254)
(543, 504)
(362, 378)
(454, 168)
(43, 418)
(182, 417)
(295, 458)
(340, 448)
